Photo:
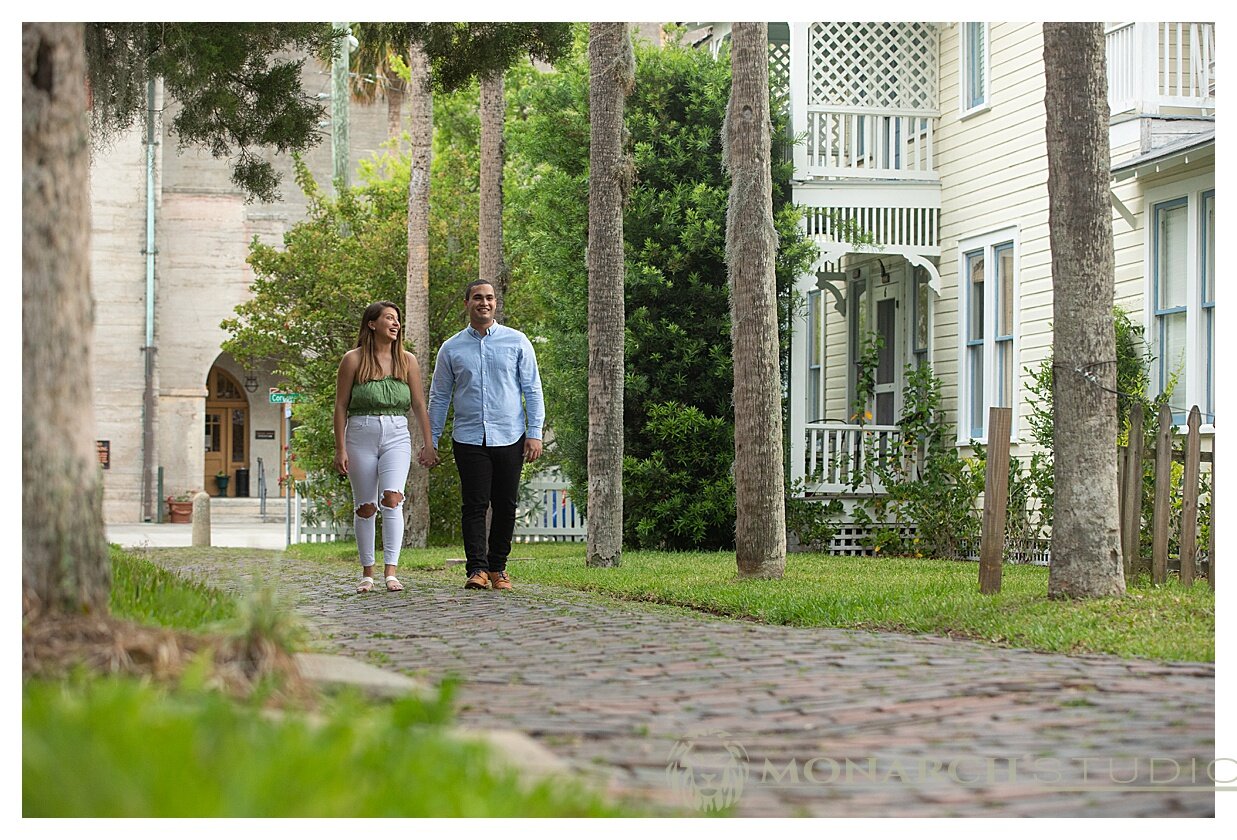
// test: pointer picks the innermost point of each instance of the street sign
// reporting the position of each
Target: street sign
(278, 396)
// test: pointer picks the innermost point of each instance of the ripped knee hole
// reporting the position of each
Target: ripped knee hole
(367, 510)
(392, 499)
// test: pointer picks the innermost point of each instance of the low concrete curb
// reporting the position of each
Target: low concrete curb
(330, 671)
(519, 752)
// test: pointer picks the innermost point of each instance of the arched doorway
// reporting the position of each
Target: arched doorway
(227, 429)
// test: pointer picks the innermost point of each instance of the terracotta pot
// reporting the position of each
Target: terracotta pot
(180, 512)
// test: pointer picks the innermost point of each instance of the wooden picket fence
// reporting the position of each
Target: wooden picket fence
(1130, 475)
(1130, 487)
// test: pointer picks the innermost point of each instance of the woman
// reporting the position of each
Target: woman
(378, 381)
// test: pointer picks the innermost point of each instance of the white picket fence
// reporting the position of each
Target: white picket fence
(545, 514)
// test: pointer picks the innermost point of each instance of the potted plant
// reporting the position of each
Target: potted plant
(180, 507)
(221, 481)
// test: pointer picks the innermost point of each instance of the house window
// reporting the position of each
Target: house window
(816, 356)
(1171, 298)
(989, 340)
(1182, 311)
(974, 81)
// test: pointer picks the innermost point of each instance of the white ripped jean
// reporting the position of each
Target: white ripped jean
(379, 455)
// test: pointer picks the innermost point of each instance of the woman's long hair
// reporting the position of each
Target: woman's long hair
(371, 367)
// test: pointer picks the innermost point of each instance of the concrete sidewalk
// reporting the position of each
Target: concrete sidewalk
(223, 535)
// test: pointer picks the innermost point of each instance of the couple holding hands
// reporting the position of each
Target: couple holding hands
(488, 371)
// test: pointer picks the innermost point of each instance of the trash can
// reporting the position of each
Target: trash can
(242, 483)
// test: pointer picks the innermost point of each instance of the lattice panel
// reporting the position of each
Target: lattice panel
(873, 65)
(779, 71)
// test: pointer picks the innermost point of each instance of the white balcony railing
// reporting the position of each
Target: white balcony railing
(1158, 65)
(845, 142)
(843, 457)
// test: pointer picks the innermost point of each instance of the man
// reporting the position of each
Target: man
(489, 372)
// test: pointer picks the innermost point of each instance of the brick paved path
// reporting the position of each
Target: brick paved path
(824, 722)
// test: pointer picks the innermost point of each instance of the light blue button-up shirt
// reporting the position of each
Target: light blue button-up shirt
(485, 377)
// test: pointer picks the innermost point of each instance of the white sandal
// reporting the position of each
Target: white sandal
(393, 584)
(366, 585)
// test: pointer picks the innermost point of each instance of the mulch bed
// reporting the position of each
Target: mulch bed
(55, 645)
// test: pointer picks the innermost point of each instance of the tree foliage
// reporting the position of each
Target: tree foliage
(678, 368)
(463, 52)
(238, 89)
(350, 250)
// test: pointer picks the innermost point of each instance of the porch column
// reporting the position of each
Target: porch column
(1147, 56)
(798, 380)
(798, 95)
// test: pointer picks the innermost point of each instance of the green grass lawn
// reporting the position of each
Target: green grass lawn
(939, 597)
(103, 746)
(147, 594)
(111, 747)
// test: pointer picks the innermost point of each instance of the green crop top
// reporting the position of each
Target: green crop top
(380, 396)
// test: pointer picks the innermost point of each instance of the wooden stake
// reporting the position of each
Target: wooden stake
(1189, 499)
(996, 497)
(1163, 484)
(1132, 494)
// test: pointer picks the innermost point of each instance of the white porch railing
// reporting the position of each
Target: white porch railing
(870, 143)
(842, 457)
(1157, 65)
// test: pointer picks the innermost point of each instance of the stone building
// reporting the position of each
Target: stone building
(208, 415)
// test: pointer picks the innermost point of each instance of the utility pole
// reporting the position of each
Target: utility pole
(339, 105)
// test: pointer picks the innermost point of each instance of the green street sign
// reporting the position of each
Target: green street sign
(285, 396)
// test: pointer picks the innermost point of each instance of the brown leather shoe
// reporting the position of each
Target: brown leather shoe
(500, 580)
(478, 580)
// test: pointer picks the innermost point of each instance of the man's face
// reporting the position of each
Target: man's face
(480, 304)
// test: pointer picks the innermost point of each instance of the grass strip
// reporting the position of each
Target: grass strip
(918, 595)
(122, 748)
(147, 594)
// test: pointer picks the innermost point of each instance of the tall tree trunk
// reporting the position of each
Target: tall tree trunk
(611, 77)
(417, 294)
(492, 111)
(1086, 548)
(395, 105)
(751, 245)
(64, 556)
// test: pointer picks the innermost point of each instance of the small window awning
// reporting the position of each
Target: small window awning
(1189, 149)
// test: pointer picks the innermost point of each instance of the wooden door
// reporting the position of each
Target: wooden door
(227, 430)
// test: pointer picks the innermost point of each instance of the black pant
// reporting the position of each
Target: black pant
(489, 478)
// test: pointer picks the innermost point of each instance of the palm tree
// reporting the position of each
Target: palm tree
(751, 245)
(374, 75)
(1086, 545)
(417, 292)
(612, 69)
(491, 109)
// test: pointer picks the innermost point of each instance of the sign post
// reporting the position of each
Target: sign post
(286, 398)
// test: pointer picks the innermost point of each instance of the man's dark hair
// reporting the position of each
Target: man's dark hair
(468, 289)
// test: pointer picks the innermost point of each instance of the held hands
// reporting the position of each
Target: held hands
(428, 457)
(532, 449)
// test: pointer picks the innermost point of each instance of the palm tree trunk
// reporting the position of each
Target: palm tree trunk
(751, 245)
(491, 110)
(1086, 549)
(395, 105)
(64, 556)
(611, 77)
(417, 294)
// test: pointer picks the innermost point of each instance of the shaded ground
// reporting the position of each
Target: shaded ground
(777, 721)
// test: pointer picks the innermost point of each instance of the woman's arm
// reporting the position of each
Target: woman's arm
(417, 390)
(343, 392)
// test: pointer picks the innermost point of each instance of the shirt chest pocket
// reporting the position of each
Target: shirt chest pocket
(505, 362)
